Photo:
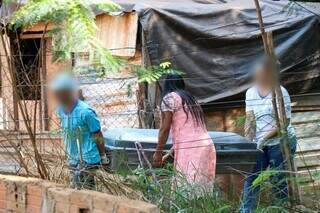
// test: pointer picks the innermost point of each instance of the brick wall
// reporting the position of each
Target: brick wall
(31, 195)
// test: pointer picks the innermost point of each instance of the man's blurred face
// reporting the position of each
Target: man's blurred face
(263, 76)
(64, 97)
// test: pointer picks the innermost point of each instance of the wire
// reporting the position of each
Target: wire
(107, 80)
(137, 111)
(300, 5)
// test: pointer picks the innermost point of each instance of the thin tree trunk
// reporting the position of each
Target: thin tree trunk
(39, 162)
(277, 100)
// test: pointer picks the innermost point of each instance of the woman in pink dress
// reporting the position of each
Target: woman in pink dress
(194, 152)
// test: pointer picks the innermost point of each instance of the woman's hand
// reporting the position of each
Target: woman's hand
(157, 159)
(167, 156)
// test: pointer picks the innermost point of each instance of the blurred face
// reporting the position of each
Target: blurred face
(263, 76)
(64, 97)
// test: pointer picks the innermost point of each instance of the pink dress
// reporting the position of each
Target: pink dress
(194, 152)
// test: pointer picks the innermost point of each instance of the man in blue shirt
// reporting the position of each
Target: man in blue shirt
(81, 132)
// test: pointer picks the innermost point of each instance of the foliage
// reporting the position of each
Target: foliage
(178, 199)
(240, 121)
(264, 177)
(74, 26)
(153, 73)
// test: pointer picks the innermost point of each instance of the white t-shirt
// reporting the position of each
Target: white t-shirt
(264, 115)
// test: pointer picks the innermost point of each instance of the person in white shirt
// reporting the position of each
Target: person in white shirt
(261, 127)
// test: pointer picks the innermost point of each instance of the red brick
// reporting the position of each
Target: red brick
(60, 194)
(77, 209)
(128, 209)
(34, 200)
(26, 195)
(16, 192)
(2, 186)
(74, 209)
(82, 199)
(3, 195)
(99, 211)
(16, 207)
(3, 204)
(11, 193)
(61, 207)
(104, 202)
(33, 209)
(132, 206)
(34, 190)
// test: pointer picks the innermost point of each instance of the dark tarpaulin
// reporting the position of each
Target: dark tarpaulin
(216, 44)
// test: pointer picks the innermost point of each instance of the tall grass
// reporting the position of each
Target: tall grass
(182, 198)
(195, 199)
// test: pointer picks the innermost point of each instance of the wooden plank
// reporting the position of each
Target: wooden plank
(308, 144)
(307, 130)
(33, 36)
(310, 188)
(118, 33)
(309, 178)
(308, 160)
(310, 100)
(305, 117)
(39, 27)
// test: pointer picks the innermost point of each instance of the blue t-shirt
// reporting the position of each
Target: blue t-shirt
(80, 125)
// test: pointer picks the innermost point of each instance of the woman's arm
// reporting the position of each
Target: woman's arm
(166, 120)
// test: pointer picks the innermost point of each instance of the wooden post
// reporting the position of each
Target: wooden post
(283, 125)
(279, 108)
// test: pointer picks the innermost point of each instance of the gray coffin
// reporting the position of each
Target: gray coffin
(235, 154)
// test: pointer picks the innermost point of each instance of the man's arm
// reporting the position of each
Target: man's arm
(95, 129)
(98, 138)
(250, 126)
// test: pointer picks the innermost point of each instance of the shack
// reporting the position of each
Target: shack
(215, 43)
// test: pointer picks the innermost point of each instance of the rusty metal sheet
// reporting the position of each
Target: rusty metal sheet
(118, 33)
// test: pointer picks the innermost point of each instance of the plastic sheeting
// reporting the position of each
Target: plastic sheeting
(150, 136)
(216, 44)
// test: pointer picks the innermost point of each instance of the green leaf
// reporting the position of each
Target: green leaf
(263, 177)
(154, 73)
(165, 65)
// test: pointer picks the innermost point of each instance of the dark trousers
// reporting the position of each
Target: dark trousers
(82, 176)
(271, 157)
